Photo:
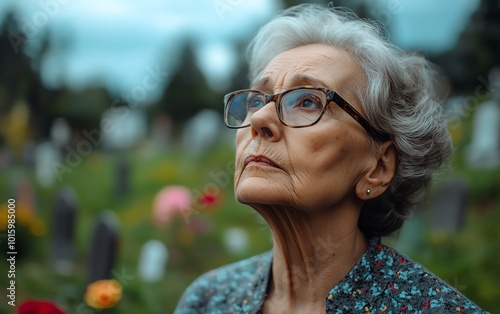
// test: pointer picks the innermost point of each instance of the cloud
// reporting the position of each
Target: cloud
(115, 40)
(433, 26)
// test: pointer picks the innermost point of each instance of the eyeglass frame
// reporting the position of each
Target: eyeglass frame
(331, 96)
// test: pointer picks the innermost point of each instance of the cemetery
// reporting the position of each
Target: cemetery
(119, 208)
(132, 218)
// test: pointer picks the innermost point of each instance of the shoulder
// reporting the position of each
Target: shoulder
(408, 286)
(385, 281)
(228, 288)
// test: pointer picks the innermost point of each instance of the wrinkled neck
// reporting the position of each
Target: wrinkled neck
(312, 252)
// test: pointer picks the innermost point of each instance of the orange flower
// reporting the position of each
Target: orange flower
(103, 294)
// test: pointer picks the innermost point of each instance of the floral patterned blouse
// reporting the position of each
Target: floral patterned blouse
(382, 281)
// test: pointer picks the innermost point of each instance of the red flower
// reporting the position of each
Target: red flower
(208, 199)
(209, 202)
(39, 307)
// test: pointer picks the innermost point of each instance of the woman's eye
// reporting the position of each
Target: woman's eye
(255, 102)
(309, 102)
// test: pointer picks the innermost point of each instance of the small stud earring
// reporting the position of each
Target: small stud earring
(368, 191)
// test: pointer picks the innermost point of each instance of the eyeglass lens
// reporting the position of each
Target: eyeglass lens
(297, 108)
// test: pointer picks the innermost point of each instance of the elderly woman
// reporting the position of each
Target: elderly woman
(338, 137)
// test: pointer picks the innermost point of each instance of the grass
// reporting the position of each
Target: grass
(465, 258)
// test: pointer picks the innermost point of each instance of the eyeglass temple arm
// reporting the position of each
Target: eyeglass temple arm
(342, 103)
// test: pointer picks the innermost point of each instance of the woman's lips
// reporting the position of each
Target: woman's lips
(260, 160)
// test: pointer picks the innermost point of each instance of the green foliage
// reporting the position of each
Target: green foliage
(465, 259)
(191, 254)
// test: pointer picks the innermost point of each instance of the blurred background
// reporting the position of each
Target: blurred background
(113, 147)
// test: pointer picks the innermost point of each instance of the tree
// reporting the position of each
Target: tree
(188, 91)
(477, 51)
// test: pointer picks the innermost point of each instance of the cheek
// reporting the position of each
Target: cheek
(335, 152)
(242, 141)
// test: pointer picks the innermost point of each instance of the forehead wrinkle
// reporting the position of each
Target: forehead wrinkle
(299, 79)
(308, 80)
(326, 66)
(262, 82)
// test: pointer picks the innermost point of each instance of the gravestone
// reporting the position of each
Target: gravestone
(236, 240)
(484, 151)
(202, 131)
(449, 206)
(152, 261)
(60, 132)
(45, 155)
(103, 247)
(63, 229)
(122, 177)
(123, 128)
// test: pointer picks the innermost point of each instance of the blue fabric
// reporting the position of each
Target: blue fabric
(382, 281)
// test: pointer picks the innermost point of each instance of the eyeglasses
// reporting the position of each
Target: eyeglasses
(297, 107)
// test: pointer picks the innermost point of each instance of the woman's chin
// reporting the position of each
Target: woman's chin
(255, 190)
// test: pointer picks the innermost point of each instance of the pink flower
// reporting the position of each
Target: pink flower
(169, 201)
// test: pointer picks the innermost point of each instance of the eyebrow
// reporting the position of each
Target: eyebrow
(298, 79)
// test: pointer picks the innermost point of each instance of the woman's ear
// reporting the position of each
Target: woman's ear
(378, 177)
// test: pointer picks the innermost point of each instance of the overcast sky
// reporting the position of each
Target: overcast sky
(115, 42)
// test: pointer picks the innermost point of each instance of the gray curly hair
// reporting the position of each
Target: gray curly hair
(398, 97)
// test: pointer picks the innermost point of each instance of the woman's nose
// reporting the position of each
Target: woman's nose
(266, 123)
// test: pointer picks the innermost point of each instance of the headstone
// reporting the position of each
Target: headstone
(449, 206)
(60, 132)
(45, 155)
(63, 229)
(103, 247)
(122, 177)
(484, 151)
(236, 240)
(202, 131)
(152, 262)
(123, 128)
